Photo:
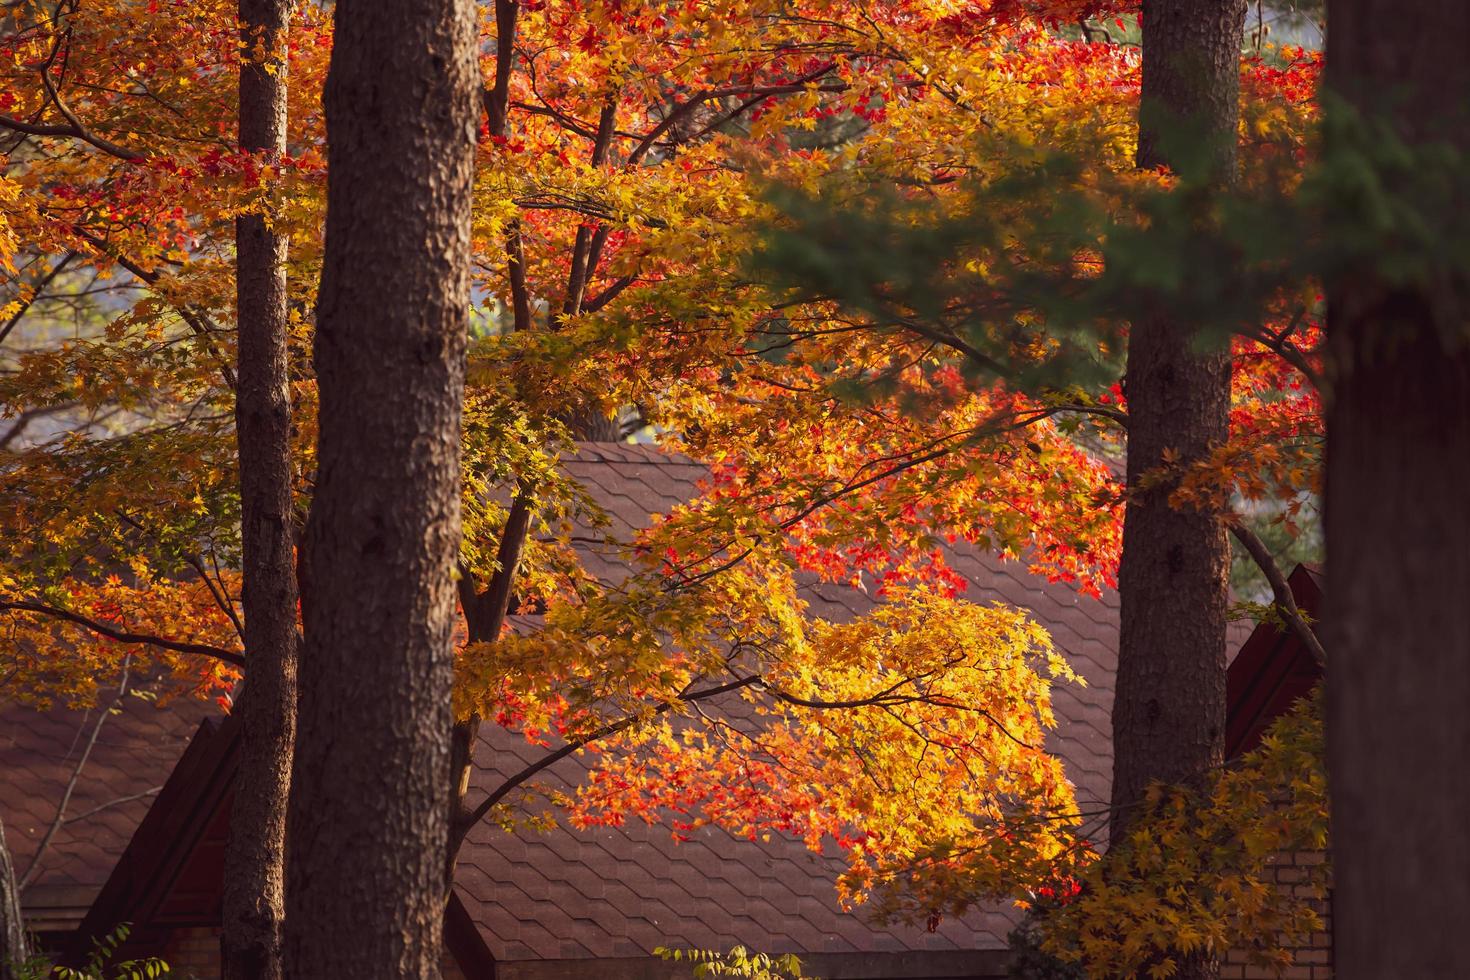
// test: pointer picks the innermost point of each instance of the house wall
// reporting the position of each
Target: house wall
(450, 969)
(193, 954)
(988, 964)
(1311, 960)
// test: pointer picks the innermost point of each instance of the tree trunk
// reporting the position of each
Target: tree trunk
(369, 814)
(485, 611)
(1398, 539)
(253, 903)
(13, 946)
(485, 614)
(1169, 703)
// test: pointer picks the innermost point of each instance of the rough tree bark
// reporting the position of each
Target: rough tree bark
(1398, 538)
(369, 814)
(253, 904)
(1169, 703)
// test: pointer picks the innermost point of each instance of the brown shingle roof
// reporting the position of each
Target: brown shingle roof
(618, 892)
(606, 892)
(133, 755)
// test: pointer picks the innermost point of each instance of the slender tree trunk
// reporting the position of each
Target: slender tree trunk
(13, 946)
(1169, 704)
(1398, 538)
(482, 620)
(369, 813)
(254, 882)
(485, 611)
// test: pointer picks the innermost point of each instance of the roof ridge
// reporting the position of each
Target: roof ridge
(635, 453)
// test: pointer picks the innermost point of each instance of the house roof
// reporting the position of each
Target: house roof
(525, 896)
(134, 752)
(1272, 671)
(619, 892)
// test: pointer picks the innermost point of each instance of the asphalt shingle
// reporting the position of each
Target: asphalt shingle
(639, 889)
(600, 892)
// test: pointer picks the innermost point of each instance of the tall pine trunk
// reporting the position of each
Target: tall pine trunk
(1169, 703)
(369, 811)
(1398, 537)
(254, 873)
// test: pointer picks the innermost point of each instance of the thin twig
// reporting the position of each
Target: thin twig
(552, 758)
(36, 294)
(71, 784)
(112, 803)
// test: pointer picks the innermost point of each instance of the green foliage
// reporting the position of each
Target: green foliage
(738, 962)
(1197, 871)
(1291, 543)
(1028, 274)
(978, 277)
(99, 964)
(1394, 213)
(1030, 960)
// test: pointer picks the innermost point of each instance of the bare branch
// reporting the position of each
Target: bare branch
(1281, 589)
(37, 291)
(71, 784)
(112, 803)
(25, 418)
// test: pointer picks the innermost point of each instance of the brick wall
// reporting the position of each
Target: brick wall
(192, 954)
(1311, 960)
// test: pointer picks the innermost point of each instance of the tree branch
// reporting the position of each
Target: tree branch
(552, 758)
(1280, 588)
(609, 294)
(197, 321)
(112, 803)
(39, 287)
(753, 93)
(73, 130)
(25, 418)
(122, 636)
(81, 132)
(485, 613)
(71, 785)
(496, 98)
(588, 248)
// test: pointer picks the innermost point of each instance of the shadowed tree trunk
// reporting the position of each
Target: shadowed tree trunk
(368, 815)
(13, 947)
(253, 902)
(1398, 535)
(1169, 707)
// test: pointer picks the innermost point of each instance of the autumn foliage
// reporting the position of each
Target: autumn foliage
(633, 161)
